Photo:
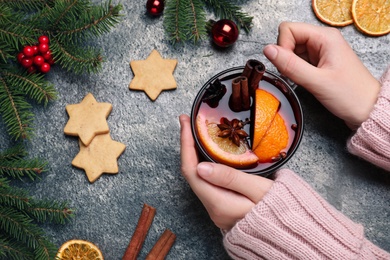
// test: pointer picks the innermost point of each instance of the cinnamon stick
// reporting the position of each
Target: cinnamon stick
(144, 222)
(249, 65)
(245, 98)
(235, 98)
(162, 246)
(256, 76)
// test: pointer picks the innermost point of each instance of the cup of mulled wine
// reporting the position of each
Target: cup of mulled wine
(213, 103)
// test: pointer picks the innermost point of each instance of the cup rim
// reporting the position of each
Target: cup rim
(287, 91)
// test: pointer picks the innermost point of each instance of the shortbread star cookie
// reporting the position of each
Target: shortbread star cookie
(153, 75)
(99, 157)
(87, 119)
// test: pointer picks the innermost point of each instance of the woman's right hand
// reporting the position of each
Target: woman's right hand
(320, 60)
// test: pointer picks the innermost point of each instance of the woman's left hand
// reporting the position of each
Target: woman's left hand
(227, 194)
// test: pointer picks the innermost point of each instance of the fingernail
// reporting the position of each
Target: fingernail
(204, 169)
(270, 52)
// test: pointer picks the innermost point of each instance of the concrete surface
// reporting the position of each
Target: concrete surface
(108, 210)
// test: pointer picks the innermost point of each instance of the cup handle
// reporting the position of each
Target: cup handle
(292, 84)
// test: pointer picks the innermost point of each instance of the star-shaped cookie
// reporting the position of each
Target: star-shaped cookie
(87, 119)
(99, 157)
(153, 75)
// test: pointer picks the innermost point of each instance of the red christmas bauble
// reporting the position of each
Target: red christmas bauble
(224, 32)
(155, 7)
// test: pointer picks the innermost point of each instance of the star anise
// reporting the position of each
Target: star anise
(232, 130)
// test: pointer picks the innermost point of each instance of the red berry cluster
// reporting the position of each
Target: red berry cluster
(38, 57)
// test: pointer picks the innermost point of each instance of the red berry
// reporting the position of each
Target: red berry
(50, 61)
(43, 47)
(47, 55)
(31, 69)
(35, 48)
(43, 39)
(39, 60)
(20, 57)
(27, 62)
(28, 51)
(45, 68)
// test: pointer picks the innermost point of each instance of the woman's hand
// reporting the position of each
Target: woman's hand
(226, 193)
(319, 59)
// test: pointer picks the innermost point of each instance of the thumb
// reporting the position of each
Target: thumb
(290, 65)
(252, 186)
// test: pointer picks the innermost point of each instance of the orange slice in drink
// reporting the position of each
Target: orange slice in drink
(333, 12)
(273, 142)
(79, 249)
(266, 107)
(372, 17)
(223, 150)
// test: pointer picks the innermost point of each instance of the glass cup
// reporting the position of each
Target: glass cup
(290, 109)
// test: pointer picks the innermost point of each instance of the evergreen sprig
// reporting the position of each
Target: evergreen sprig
(21, 237)
(185, 20)
(71, 26)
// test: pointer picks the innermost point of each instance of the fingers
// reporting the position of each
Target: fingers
(188, 154)
(290, 65)
(252, 186)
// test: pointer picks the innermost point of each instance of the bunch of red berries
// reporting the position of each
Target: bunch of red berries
(37, 58)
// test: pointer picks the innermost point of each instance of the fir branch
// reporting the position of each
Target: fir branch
(94, 22)
(14, 197)
(50, 211)
(224, 9)
(11, 249)
(173, 22)
(30, 5)
(196, 18)
(34, 85)
(14, 153)
(22, 168)
(15, 111)
(87, 60)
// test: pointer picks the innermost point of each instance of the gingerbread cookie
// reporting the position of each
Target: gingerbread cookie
(153, 75)
(87, 119)
(99, 157)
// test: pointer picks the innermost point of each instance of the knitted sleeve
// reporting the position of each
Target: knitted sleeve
(294, 222)
(372, 139)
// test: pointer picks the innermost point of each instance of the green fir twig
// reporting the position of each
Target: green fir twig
(185, 20)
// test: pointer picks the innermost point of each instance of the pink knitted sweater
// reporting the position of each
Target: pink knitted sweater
(294, 222)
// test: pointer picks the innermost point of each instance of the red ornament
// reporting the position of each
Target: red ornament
(28, 51)
(45, 68)
(155, 7)
(224, 33)
(43, 39)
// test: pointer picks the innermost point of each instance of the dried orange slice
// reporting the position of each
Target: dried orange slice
(266, 107)
(223, 150)
(274, 141)
(79, 249)
(372, 17)
(333, 12)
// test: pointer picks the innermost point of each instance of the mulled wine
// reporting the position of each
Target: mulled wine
(214, 103)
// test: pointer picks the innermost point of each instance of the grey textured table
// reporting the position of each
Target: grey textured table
(108, 210)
